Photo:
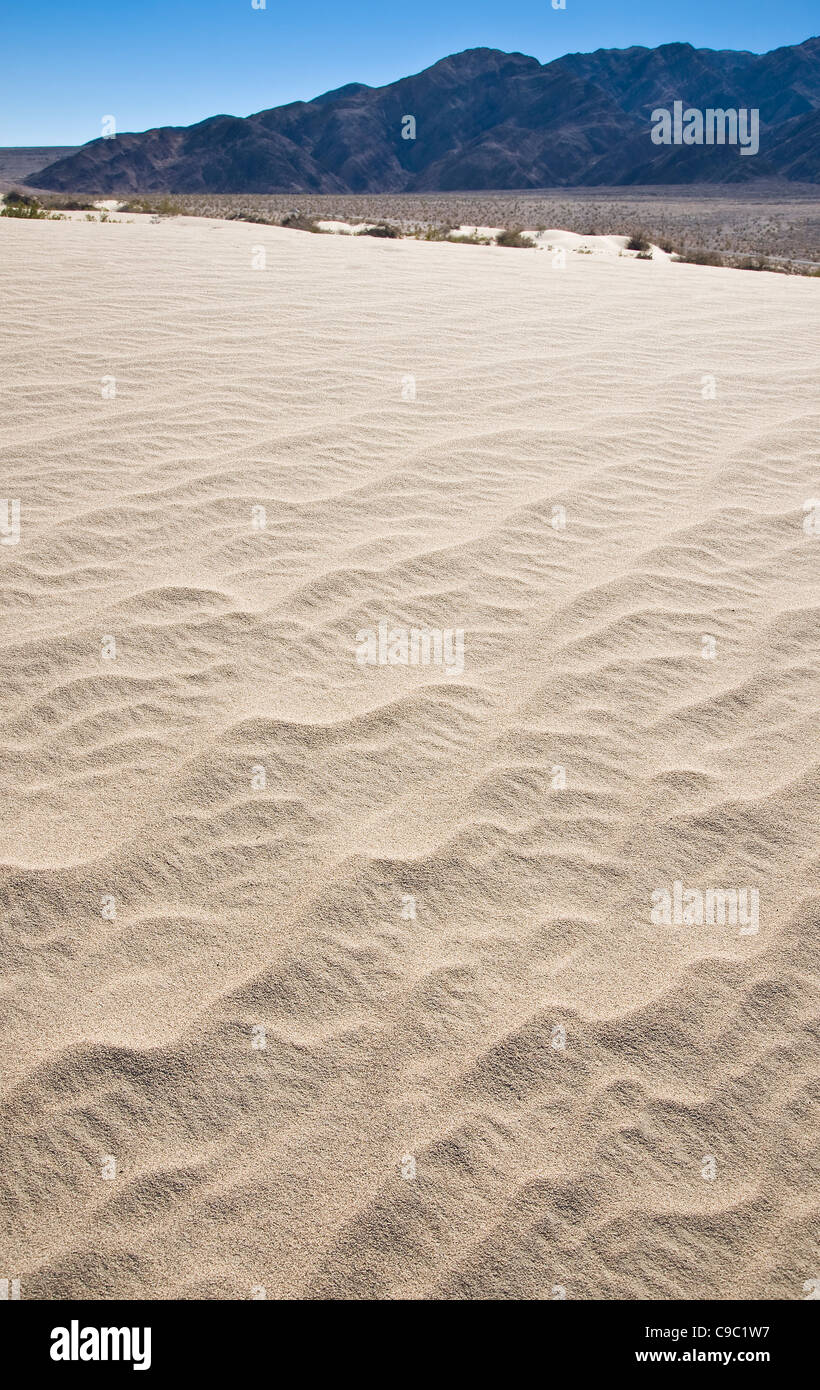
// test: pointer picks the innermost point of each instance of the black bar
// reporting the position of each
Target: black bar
(254, 1338)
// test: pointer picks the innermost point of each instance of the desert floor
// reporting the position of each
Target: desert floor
(340, 980)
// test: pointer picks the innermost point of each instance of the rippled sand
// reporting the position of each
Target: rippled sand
(347, 972)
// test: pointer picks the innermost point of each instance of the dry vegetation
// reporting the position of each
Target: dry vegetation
(744, 228)
(750, 229)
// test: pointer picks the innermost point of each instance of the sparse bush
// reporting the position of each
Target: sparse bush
(380, 229)
(295, 220)
(638, 241)
(470, 239)
(20, 205)
(701, 258)
(514, 238)
(252, 217)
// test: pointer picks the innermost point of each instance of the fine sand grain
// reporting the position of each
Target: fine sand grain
(347, 972)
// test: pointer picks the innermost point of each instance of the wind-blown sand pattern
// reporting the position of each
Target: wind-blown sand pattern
(395, 1040)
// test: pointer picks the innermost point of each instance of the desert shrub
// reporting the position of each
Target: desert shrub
(701, 258)
(27, 207)
(22, 210)
(514, 238)
(296, 221)
(638, 241)
(380, 229)
(644, 256)
(16, 204)
(252, 217)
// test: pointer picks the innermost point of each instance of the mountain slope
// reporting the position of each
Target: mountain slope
(484, 120)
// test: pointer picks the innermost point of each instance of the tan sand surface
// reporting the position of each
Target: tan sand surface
(345, 974)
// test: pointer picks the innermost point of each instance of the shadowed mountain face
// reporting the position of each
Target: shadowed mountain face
(484, 120)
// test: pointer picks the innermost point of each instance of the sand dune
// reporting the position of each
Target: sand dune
(346, 970)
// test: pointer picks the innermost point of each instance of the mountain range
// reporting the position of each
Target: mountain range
(484, 120)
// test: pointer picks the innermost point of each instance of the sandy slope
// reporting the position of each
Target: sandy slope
(436, 1038)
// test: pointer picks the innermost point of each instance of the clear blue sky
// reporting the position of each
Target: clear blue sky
(171, 62)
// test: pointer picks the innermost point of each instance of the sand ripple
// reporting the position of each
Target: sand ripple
(428, 895)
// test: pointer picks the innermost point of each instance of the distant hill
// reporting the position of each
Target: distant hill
(18, 162)
(484, 120)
